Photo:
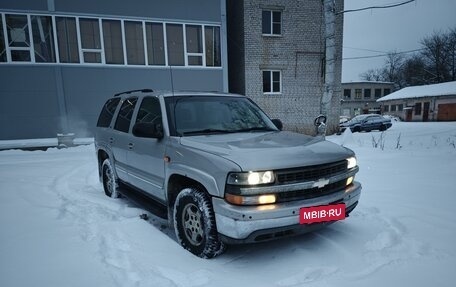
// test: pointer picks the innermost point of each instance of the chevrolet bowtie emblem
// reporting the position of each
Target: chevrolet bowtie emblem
(322, 182)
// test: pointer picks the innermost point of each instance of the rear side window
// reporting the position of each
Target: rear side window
(107, 112)
(124, 117)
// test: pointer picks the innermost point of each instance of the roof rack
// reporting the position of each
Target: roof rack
(133, 91)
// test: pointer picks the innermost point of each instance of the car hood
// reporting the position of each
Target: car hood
(272, 150)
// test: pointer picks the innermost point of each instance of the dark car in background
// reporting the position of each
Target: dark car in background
(366, 123)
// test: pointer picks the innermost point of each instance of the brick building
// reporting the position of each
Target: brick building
(276, 57)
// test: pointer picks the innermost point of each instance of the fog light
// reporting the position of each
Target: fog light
(349, 180)
(250, 200)
(266, 199)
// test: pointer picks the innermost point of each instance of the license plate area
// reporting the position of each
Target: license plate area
(323, 213)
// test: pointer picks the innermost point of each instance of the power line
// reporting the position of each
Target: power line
(382, 55)
(375, 7)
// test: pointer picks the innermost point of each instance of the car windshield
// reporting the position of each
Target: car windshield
(202, 115)
(358, 119)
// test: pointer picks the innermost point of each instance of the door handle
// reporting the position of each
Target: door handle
(131, 145)
(111, 140)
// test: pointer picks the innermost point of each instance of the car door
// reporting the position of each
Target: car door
(120, 137)
(145, 155)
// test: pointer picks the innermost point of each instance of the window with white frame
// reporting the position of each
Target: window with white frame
(67, 39)
(155, 44)
(212, 43)
(271, 22)
(43, 39)
(113, 43)
(194, 39)
(272, 82)
(18, 37)
(134, 39)
(90, 40)
(175, 43)
(3, 57)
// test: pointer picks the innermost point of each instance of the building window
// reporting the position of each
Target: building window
(347, 94)
(400, 107)
(212, 42)
(378, 93)
(393, 108)
(18, 38)
(367, 93)
(67, 39)
(417, 109)
(175, 44)
(90, 40)
(386, 108)
(3, 57)
(357, 111)
(271, 22)
(358, 94)
(134, 40)
(155, 44)
(386, 92)
(194, 41)
(272, 82)
(113, 44)
(43, 39)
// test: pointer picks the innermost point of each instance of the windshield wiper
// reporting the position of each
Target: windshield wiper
(206, 131)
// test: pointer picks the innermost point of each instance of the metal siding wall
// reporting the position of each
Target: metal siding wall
(38, 101)
(28, 102)
(203, 10)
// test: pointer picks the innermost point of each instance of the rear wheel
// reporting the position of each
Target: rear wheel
(109, 179)
(194, 223)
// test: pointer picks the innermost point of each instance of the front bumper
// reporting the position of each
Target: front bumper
(244, 224)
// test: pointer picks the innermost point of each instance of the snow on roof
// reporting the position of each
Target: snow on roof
(436, 90)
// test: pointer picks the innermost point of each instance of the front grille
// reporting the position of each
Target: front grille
(311, 192)
(310, 173)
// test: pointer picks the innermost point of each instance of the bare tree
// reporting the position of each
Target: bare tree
(436, 56)
(372, 75)
(392, 71)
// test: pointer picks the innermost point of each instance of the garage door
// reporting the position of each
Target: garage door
(447, 112)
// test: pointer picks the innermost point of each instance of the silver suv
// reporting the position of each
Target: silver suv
(219, 169)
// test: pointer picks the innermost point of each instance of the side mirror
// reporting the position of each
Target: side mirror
(148, 130)
(278, 124)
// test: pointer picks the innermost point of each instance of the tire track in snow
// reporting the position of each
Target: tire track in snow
(391, 245)
(84, 204)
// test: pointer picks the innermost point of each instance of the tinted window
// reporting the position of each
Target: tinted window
(175, 41)
(107, 112)
(149, 111)
(124, 117)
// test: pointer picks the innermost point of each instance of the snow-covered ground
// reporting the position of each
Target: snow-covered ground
(58, 229)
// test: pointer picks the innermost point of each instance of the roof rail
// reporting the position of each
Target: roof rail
(133, 91)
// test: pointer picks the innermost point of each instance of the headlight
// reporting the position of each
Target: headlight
(250, 200)
(251, 178)
(351, 162)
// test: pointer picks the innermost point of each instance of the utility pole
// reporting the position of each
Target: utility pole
(330, 56)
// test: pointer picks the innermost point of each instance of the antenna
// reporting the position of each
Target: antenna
(172, 81)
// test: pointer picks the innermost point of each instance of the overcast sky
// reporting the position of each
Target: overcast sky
(400, 28)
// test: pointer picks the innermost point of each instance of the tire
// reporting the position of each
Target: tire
(382, 128)
(109, 179)
(194, 223)
(356, 129)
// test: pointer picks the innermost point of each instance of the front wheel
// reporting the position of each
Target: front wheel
(109, 179)
(194, 223)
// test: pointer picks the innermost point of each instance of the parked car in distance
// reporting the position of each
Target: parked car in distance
(366, 123)
(219, 169)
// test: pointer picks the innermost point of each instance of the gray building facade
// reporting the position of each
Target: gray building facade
(276, 57)
(61, 59)
(361, 97)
